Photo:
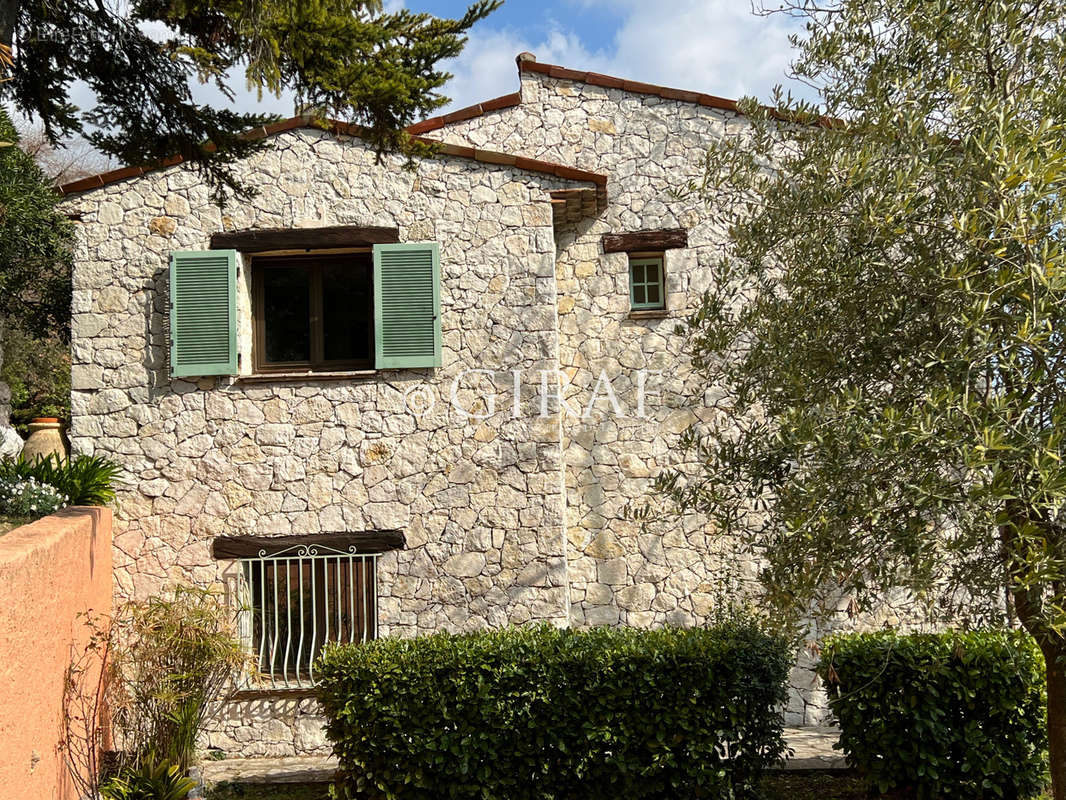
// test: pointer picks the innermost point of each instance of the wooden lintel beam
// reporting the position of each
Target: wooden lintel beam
(365, 542)
(668, 239)
(261, 240)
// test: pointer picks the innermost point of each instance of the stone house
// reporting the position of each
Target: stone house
(378, 400)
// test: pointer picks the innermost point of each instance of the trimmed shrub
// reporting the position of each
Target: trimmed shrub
(537, 712)
(951, 715)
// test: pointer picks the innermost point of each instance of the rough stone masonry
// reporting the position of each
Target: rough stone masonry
(514, 508)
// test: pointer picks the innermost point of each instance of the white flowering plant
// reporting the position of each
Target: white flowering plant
(28, 497)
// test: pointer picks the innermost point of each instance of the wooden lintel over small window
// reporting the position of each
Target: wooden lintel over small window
(265, 240)
(667, 239)
(363, 542)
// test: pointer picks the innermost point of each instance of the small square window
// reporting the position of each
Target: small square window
(646, 290)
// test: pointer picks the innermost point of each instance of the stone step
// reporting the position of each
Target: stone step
(812, 750)
(290, 769)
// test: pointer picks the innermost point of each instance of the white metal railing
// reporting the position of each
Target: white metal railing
(296, 600)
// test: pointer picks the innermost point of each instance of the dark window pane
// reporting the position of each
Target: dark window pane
(653, 293)
(638, 273)
(638, 295)
(347, 310)
(653, 273)
(286, 314)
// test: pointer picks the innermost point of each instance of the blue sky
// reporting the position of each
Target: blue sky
(714, 46)
(588, 22)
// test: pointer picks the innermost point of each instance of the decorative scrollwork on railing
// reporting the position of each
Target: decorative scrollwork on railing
(310, 551)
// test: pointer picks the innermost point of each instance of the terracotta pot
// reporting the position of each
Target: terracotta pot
(46, 439)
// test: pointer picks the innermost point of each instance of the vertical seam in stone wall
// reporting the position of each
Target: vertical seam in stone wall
(561, 472)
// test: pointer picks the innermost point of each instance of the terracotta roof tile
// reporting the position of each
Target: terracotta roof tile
(461, 114)
(527, 64)
(340, 128)
(607, 81)
(491, 157)
(458, 150)
(83, 184)
(476, 110)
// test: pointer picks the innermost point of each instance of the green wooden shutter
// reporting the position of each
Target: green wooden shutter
(203, 313)
(407, 305)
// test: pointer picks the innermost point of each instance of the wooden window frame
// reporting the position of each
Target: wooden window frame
(659, 259)
(317, 363)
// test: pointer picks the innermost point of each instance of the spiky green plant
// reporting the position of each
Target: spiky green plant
(85, 480)
(153, 780)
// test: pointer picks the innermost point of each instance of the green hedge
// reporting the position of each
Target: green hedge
(952, 715)
(536, 712)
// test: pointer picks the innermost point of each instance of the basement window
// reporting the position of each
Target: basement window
(297, 593)
(299, 600)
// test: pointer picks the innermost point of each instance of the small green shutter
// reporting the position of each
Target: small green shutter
(406, 305)
(203, 313)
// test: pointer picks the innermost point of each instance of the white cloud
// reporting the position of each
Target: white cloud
(715, 46)
(486, 68)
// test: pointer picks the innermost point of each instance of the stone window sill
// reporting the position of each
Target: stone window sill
(652, 313)
(288, 377)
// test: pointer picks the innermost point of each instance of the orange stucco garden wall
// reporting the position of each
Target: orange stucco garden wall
(50, 572)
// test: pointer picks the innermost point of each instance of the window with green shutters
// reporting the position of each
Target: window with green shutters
(308, 311)
(647, 288)
(203, 313)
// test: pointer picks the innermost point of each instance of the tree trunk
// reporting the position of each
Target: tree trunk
(1029, 606)
(1055, 659)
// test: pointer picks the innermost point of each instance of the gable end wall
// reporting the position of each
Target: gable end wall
(480, 501)
(670, 571)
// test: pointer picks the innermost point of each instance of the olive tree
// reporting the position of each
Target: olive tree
(886, 330)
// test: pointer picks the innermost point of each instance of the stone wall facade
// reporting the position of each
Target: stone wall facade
(513, 504)
(480, 501)
(673, 570)
(651, 148)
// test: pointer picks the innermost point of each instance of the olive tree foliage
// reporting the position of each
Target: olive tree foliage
(36, 245)
(886, 331)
